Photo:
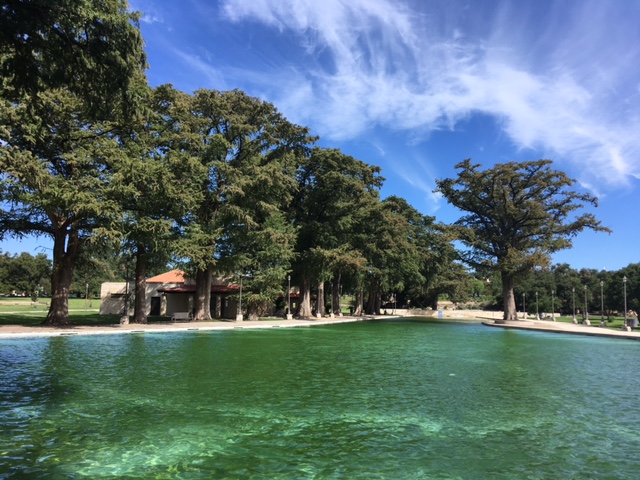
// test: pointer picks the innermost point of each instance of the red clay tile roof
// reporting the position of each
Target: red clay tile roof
(173, 276)
(192, 289)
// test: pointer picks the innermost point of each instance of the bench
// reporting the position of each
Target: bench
(181, 316)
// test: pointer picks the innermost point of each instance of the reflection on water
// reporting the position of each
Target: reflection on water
(368, 400)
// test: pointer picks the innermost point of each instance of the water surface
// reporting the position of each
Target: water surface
(374, 400)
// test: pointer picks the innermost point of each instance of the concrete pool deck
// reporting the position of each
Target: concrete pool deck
(26, 331)
(563, 327)
(32, 331)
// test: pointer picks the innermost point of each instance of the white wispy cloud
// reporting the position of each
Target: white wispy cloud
(566, 85)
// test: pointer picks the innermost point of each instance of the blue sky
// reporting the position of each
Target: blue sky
(417, 86)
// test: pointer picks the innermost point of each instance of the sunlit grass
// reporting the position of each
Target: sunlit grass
(613, 323)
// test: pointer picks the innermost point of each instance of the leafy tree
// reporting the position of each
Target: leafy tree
(156, 181)
(247, 152)
(616, 288)
(24, 272)
(97, 262)
(405, 251)
(55, 166)
(71, 72)
(262, 253)
(518, 214)
(335, 193)
(92, 48)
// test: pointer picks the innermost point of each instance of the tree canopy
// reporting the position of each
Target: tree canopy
(72, 71)
(517, 215)
(93, 49)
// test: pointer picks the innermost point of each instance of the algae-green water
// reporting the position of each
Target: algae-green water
(370, 400)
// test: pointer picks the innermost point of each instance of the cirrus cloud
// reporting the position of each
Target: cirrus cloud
(560, 79)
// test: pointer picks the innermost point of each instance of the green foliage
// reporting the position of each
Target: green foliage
(246, 153)
(568, 287)
(335, 194)
(517, 215)
(24, 273)
(93, 49)
(263, 254)
(72, 73)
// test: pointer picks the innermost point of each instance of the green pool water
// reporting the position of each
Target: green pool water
(373, 400)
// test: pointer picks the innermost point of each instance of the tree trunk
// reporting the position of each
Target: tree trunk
(62, 275)
(335, 295)
(368, 309)
(253, 312)
(140, 306)
(373, 298)
(304, 309)
(508, 297)
(433, 303)
(202, 300)
(320, 299)
(359, 303)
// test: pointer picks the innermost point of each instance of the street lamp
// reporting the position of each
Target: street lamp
(553, 305)
(602, 324)
(573, 298)
(239, 317)
(524, 307)
(624, 281)
(289, 316)
(586, 310)
(537, 314)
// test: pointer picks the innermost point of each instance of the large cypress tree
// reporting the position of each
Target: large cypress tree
(517, 215)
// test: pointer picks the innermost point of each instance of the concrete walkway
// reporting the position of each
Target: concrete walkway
(22, 331)
(562, 327)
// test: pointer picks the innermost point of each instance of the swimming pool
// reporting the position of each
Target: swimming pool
(375, 400)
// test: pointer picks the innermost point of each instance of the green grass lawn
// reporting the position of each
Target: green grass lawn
(615, 323)
(16, 304)
(20, 311)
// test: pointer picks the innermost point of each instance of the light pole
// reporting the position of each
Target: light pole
(624, 281)
(524, 307)
(125, 312)
(289, 315)
(573, 298)
(553, 305)
(586, 310)
(602, 324)
(239, 316)
(537, 312)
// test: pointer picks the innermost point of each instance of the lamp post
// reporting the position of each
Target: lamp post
(602, 324)
(573, 298)
(624, 282)
(537, 313)
(553, 305)
(289, 315)
(124, 319)
(524, 307)
(239, 316)
(586, 309)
